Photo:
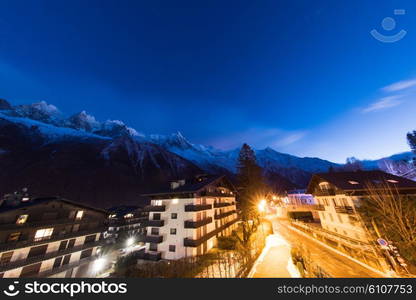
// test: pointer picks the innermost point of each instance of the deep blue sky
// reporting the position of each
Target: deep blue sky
(304, 77)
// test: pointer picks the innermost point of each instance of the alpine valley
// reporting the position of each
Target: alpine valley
(108, 163)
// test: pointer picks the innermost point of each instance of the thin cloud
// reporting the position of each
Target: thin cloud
(383, 103)
(399, 86)
(259, 138)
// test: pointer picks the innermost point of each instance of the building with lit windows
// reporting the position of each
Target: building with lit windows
(186, 217)
(49, 237)
(126, 222)
(338, 195)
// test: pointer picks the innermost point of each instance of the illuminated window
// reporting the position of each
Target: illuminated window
(353, 182)
(22, 219)
(14, 237)
(112, 216)
(392, 181)
(175, 201)
(173, 231)
(128, 216)
(43, 234)
(79, 215)
(158, 202)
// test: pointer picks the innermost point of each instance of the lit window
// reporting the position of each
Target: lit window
(392, 181)
(353, 182)
(158, 202)
(79, 215)
(14, 237)
(112, 216)
(22, 219)
(175, 201)
(43, 234)
(128, 216)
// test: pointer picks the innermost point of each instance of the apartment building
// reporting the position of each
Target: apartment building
(298, 204)
(186, 218)
(126, 223)
(48, 237)
(339, 194)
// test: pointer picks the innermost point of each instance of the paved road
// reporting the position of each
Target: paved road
(334, 264)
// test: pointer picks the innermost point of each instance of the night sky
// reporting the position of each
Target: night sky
(303, 77)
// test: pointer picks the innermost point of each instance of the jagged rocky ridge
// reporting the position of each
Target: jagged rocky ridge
(107, 163)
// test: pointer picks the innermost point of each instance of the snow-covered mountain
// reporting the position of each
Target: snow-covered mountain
(145, 158)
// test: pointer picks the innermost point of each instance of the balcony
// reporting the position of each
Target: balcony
(187, 242)
(215, 194)
(50, 255)
(155, 223)
(156, 239)
(197, 224)
(154, 256)
(222, 204)
(56, 236)
(225, 214)
(156, 208)
(327, 192)
(319, 207)
(197, 207)
(344, 210)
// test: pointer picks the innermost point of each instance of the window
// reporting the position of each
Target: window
(21, 219)
(174, 216)
(173, 231)
(156, 216)
(154, 231)
(158, 202)
(79, 215)
(330, 216)
(345, 233)
(172, 248)
(6, 257)
(71, 244)
(14, 237)
(67, 259)
(57, 262)
(353, 182)
(86, 253)
(153, 247)
(30, 271)
(335, 229)
(340, 219)
(37, 251)
(43, 234)
(62, 245)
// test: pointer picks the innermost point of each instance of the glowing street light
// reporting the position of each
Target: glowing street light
(262, 205)
(99, 264)
(130, 241)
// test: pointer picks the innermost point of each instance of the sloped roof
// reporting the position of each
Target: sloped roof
(4, 207)
(192, 185)
(359, 180)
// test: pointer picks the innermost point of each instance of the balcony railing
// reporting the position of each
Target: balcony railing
(155, 256)
(222, 204)
(215, 194)
(55, 237)
(327, 192)
(197, 207)
(50, 255)
(344, 210)
(197, 224)
(225, 214)
(156, 239)
(187, 242)
(155, 223)
(319, 207)
(157, 208)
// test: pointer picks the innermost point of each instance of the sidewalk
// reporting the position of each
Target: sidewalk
(275, 261)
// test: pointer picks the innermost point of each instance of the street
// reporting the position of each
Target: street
(275, 260)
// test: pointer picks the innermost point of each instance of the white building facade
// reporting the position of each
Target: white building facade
(186, 219)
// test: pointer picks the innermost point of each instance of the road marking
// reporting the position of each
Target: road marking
(339, 252)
